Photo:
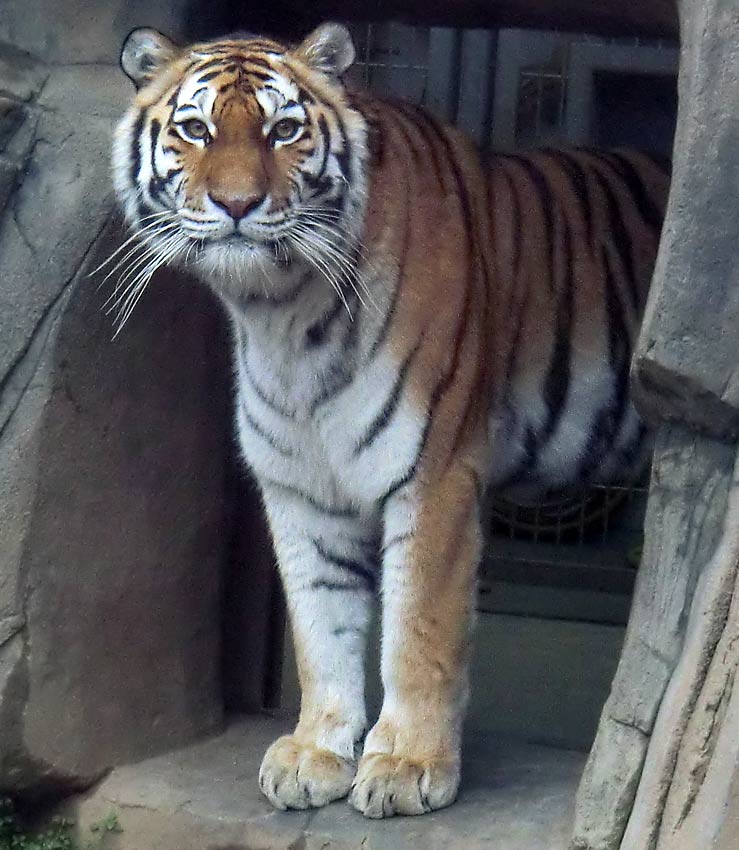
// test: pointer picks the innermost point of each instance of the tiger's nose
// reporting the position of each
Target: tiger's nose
(237, 206)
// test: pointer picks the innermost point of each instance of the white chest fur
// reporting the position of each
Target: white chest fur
(317, 409)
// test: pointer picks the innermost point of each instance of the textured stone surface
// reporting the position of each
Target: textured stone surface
(694, 749)
(686, 366)
(687, 501)
(513, 797)
(21, 76)
(112, 466)
(82, 31)
(660, 771)
(21, 79)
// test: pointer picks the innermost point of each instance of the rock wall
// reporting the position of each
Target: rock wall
(113, 456)
(664, 770)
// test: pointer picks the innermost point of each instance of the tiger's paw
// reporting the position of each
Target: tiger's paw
(388, 785)
(300, 776)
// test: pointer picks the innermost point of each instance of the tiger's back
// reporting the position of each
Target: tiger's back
(580, 261)
(552, 251)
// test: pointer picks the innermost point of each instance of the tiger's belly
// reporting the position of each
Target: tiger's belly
(598, 438)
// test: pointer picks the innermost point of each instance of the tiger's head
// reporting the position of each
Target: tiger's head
(241, 156)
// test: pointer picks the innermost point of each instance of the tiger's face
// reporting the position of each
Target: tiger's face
(239, 157)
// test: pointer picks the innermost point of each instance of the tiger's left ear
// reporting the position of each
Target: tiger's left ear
(145, 52)
(329, 49)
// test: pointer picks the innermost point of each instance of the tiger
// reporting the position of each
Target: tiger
(414, 325)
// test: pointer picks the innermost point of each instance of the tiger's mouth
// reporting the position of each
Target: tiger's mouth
(246, 244)
(235, 254)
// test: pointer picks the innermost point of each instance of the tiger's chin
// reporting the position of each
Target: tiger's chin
(239, 268)
(232, 257)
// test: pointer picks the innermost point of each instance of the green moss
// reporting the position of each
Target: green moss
(13, 836)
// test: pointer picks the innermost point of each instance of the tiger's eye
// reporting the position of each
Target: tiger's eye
(196, 129)
(285, 129)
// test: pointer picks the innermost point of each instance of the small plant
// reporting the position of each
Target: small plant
(107, 824)
(58, 836)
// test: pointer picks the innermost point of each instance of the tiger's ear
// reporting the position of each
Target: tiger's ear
(145, 52)
(329, 49)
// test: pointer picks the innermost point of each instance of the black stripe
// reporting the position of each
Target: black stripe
(268, 300)
(323, 584)
(325, 133)
(579, 180)
(516, 223)
(173, 172)
(344, 157)
(396, 541)
(156, 184)
(402, 259)
(138, 129)
(319, 182)
(517, 315)
(474, 260)
(349, 564)
(255, 62)
(340, 375)
(315, 335)
(429, 132)
(620, 237)
(219, 61)
(557, 382)
(631, 178)
(447, 379)
(402, 122)
(328, 510)
(340, 631)
(266, 436)
(304, 96)
(390, 312)
(409, 474)
(517, 302)
(262, 76)
(383, 418)
(211, 75)
(338, 378)
(266, 399)
(546, 203)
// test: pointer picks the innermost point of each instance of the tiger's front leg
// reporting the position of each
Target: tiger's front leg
(326, 564)
(411, 760)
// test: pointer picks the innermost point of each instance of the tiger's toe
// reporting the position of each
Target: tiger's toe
(294, 775)
(388, 785)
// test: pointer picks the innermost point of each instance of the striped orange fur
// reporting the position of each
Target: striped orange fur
(412, 324)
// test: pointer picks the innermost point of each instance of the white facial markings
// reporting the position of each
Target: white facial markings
(278, 100)
(195, 101)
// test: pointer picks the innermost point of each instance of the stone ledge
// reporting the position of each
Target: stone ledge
(205, 797)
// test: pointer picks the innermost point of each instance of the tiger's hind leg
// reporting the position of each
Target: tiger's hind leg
(326, 564)
(432, 543)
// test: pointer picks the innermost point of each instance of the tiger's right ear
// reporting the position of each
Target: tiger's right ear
(145, 52)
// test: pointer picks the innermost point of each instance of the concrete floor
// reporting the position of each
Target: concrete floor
(514, 797)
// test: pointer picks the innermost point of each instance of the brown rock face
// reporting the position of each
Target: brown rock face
(113, 458)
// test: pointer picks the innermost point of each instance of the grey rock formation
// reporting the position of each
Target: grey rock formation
(514, 797)
(78, 31)
(112, 459)
(685, 367)
(663, 774)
